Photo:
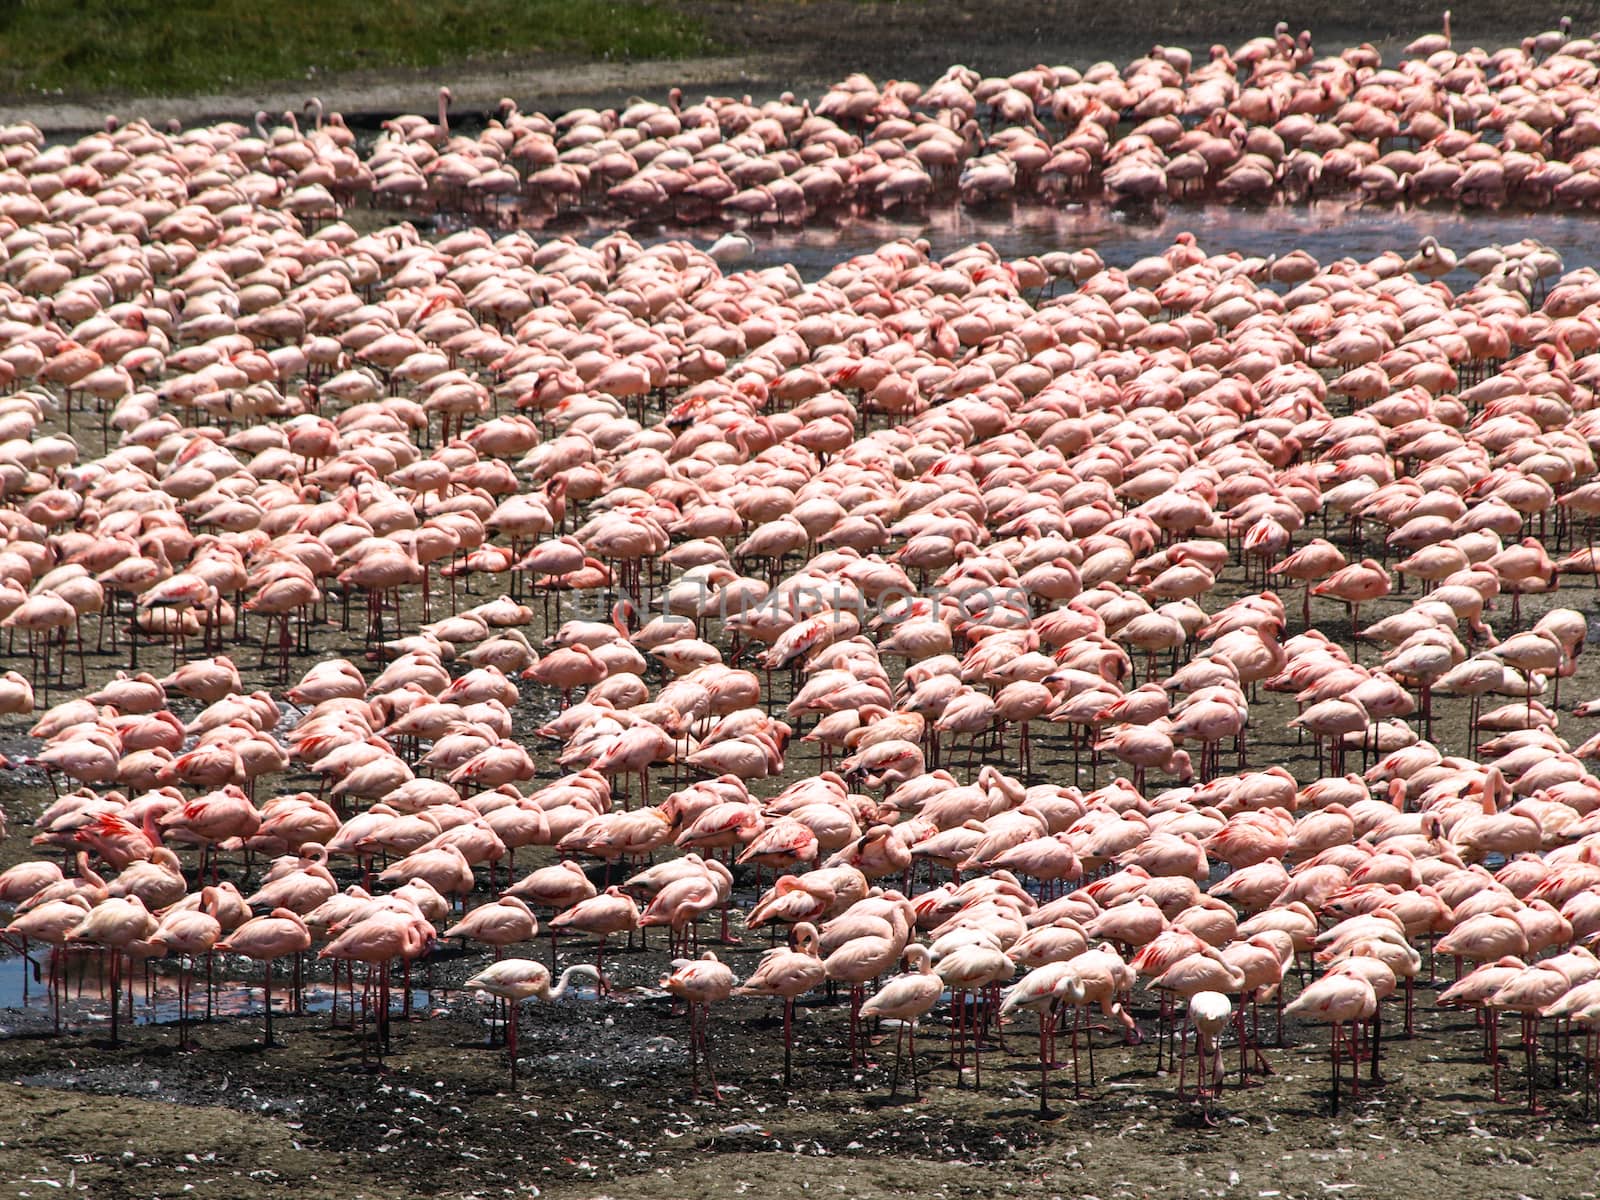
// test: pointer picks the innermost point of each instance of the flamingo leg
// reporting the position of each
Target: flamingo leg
(1377, 1040)
(1335, 1061)
(977, 1041)
(1217, 1071)
(856, 998)
(1183, 1055)
(1493, 1018)
(694, 1052)
(1530, 1042)
(1045, 1016)
(899, 1045)
(916, 1081)
(383, 1011)
(1077, 1078)
(116, 996)
(1163, 1031)
(705, 1050)
(183, 1004)
(511, 1039)
(1355, 1060)
(958, 1048)
(1088, 1037)
(991, 1008)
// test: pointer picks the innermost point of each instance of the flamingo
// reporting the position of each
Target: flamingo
(907, 999)
(1337, 1000)
(611, 911)
(517, 979)
(1210, 1013)
(699, 983)
(788, 974)
(279, 934)
(1045, 989)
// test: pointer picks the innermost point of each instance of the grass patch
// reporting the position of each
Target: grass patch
(170, 47)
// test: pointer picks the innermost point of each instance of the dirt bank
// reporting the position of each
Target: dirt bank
(803, 45)
(603, 1108)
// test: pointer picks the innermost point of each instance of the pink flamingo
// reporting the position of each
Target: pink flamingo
(266, 939)
(699, 983)
(1337, 1000)
(115, 924)
(788, 973)
(517, 979)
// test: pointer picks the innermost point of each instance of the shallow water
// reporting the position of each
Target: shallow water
(23, 988)
(1326, 229)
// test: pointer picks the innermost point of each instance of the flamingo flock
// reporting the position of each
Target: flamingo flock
(936, 611)
(1269, 120)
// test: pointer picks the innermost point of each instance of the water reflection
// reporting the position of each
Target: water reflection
(23, 986)
(1326, 229)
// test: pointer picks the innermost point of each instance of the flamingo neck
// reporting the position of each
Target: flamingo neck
(565, 982)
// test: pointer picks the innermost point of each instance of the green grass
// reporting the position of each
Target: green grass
(172, 47)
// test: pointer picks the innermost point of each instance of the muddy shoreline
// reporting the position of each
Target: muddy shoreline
(598, 1114)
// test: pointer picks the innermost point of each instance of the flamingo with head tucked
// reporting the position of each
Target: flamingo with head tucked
(788, 973)
(1337, 1000)
(279, 934)
(700, 983)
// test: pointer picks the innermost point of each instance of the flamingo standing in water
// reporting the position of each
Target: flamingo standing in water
(115, 924)
(377, 939)
(280, 933)
(51, 922)
(186, 933)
